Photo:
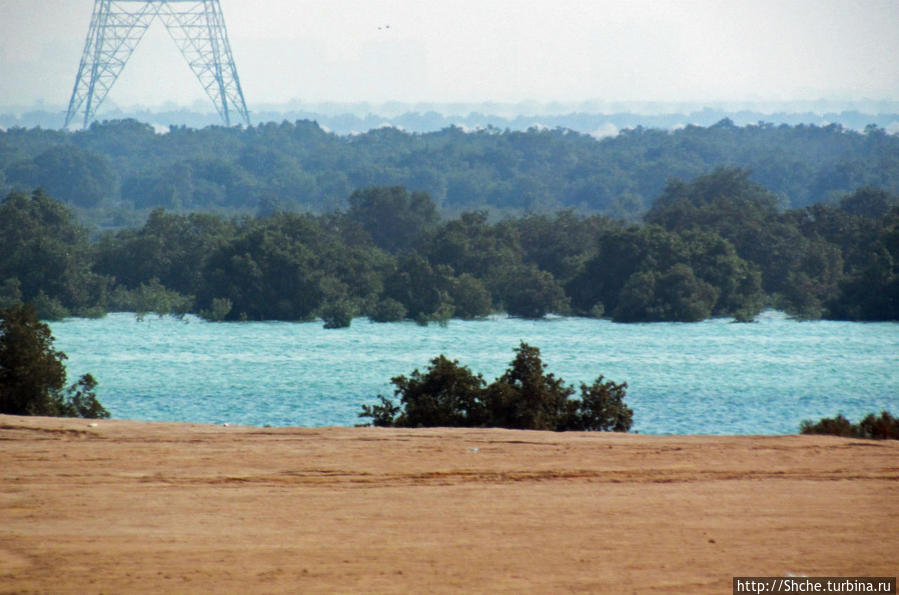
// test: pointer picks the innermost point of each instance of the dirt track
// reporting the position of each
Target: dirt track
(126, 506)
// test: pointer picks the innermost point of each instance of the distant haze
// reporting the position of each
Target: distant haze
(486, 50)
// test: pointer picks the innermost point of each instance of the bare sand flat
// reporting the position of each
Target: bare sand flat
(121, 507)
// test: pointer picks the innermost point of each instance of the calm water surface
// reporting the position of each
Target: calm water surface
(713, 377)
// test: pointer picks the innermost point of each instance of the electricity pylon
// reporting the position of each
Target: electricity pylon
(197, 28)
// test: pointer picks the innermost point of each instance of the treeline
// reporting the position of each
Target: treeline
(717, 246)
(114, 173)
(589, 117)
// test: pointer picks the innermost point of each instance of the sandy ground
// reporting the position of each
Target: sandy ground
(118, 506)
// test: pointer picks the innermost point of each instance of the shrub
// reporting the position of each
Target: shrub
(879, 428)
(81, 400)
(602, 408)
(218, 310)
(150, 297)
(338, 313)
(470, 298)
(48, 308)
(524, 397)
(383, 414)
(387, 310)
(446, 395)
(675, 295)
(32, 375)
(528, 292)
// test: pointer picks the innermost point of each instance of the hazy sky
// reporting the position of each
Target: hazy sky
(486, 50)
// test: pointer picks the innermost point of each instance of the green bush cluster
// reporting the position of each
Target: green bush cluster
(32, 374)
(879, 428)
(524, 397)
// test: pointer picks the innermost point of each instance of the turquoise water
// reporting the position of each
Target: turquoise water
(713, 377)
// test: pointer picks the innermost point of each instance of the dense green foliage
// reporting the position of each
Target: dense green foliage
(46, 258)
(114, 168)
(525, 397)
(715, 246)
(839, 261)
(32, 374)
(723, 244)
(879, 428)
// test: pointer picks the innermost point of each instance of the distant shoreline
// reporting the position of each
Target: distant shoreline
(598, 119)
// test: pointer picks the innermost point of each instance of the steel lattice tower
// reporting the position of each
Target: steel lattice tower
(196, 26)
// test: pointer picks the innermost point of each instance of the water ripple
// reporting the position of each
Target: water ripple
(712, 377)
